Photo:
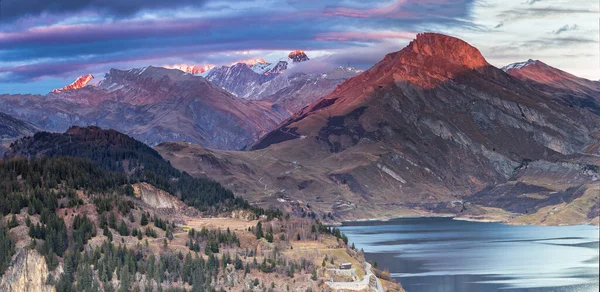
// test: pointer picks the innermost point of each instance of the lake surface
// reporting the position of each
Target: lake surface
(441, 254)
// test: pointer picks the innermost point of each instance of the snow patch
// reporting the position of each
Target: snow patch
(518, 65)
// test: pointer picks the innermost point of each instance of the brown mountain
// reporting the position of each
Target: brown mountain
(568, 88)
(432, 127)
(153, 105)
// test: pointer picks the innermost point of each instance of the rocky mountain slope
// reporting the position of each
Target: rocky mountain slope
(153, 105)
(272, 82)
(430, 128)
(11, 129)
(238, 79)
(294, 91)
(244, 78)
(14, 128)
(572, 90)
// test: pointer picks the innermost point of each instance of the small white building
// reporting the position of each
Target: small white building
(345, 266)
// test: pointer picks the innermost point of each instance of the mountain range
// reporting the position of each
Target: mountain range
(153, 105)
(430, 129)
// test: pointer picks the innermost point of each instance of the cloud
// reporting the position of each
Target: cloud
(358, 57)
(565, 28)
(91, 35)
(364, 13)
(15, 9)
(529, 13)
(364, 36)
(524, 48)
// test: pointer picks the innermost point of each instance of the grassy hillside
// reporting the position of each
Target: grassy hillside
(94, 210)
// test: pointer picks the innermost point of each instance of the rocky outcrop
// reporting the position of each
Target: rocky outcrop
(27, 273)
(298, 56)
(156, 198)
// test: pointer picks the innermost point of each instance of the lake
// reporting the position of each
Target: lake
(441, 254)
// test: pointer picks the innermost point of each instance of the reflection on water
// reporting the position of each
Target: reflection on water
(441, 254)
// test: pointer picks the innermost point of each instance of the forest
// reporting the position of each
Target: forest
(48, 181)
(118, 153)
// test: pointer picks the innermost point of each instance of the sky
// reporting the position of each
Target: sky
(48, 44)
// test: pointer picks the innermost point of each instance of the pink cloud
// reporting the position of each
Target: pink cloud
(363, 13)
(364, 36)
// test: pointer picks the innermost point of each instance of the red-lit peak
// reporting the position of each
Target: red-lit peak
(192, 69)
(81, 82)
(298, 56)
(251, 62)
(450, 48)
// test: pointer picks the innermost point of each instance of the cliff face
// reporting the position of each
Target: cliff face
(28, 272)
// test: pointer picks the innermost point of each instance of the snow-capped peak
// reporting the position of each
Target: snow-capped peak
(191, 69)
(251, 62)
(80, 82)
(270, 68)
(298, 56)
(518, 65)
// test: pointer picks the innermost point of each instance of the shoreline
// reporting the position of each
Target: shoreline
(457, 218)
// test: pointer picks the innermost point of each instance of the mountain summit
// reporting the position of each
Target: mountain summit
(298, 56)
(449, 48)
(80, 82)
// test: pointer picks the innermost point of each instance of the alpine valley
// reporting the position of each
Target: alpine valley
(430, 129)
(235, 177)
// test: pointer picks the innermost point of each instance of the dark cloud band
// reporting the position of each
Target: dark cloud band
(15, 9)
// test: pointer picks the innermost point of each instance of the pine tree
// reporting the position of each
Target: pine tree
(12, 223)
(144, 220)
(131, 218)
(259, 231)
(123, 231)
(125, 280)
